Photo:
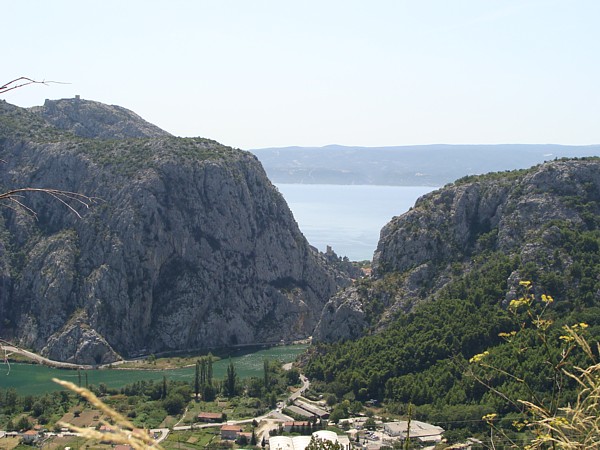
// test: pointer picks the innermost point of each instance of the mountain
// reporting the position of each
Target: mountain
(187, 245)
(526, 216)
(473, 293)
(91, 119)
(418, 165)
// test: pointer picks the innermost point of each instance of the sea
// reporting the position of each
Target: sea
(348, 218)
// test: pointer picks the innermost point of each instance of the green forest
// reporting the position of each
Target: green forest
(423, 358)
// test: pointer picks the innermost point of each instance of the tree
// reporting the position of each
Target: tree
(323, 444)
(230, 380)
(197, 380)
(370, 424)
(163, 393)
(267, 380)
(209, 369)
(339, 412)
(174, 404)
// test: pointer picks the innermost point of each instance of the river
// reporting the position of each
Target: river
(36, 379)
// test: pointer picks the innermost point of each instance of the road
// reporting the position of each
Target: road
(8, 349)
(268, 421)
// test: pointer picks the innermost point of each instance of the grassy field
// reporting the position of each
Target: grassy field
(191, 440)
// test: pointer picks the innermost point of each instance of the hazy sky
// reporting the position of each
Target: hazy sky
(259, 73)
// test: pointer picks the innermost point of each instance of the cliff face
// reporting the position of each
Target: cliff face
(188, 245)
(451, 231)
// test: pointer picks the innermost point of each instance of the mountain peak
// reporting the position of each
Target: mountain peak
(91, 119)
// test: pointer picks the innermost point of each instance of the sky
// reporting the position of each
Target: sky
(274, 73)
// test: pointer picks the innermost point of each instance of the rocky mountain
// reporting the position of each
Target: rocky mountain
(186, 245)
(409, 165)
(541, 223)
(91, 119)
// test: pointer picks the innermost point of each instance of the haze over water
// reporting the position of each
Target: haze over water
(349, 218)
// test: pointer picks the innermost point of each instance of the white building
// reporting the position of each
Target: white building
(422, 431)
(301, 442)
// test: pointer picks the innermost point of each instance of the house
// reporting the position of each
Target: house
(209, 417)
(30, 437)
(288, 426)
(230, 432)
(247, 436)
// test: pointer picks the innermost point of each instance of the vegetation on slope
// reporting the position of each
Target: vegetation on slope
(422, 357)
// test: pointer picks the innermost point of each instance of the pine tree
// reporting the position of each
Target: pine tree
(209, 369)
(203, 380)
(267, 380)
(197, 380)
(164, 388)
(230, 380)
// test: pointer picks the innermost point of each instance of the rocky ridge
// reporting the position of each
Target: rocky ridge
(92, 119)
(448, 233)
(187, 246)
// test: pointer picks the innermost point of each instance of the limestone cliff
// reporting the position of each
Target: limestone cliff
(451, 232)
(188, 245)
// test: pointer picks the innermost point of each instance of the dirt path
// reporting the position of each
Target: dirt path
(8, 349)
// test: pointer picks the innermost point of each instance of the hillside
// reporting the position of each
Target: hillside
(444, 275)
(188, 244)
(417, 165)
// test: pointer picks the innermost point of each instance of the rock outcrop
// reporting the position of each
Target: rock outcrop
(91, 119)
(187, 244)
(448, 232)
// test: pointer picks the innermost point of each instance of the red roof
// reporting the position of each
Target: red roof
(210, 415)
(231, 428)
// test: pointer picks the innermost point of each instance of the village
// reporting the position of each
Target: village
(290, 426)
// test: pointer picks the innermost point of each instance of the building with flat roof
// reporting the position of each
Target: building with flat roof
(421, 431)
(314, 410)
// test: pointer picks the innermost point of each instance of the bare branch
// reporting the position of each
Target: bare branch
(24, 81)
(65, 197)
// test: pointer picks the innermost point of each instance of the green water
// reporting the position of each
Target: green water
(35, 379)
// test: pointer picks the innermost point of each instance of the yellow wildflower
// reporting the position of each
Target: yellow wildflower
(519, 425)
(525, 283)
(583, 325)
(566, 338)
(477, 358)
(547, 298)
(489, 418)
(558, 421)
(507, 335)
(517, 303)
(542, 324)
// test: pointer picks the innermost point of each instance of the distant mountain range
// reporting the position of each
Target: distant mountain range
(416, 165)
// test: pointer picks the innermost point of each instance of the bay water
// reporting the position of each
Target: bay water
(348, 218)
